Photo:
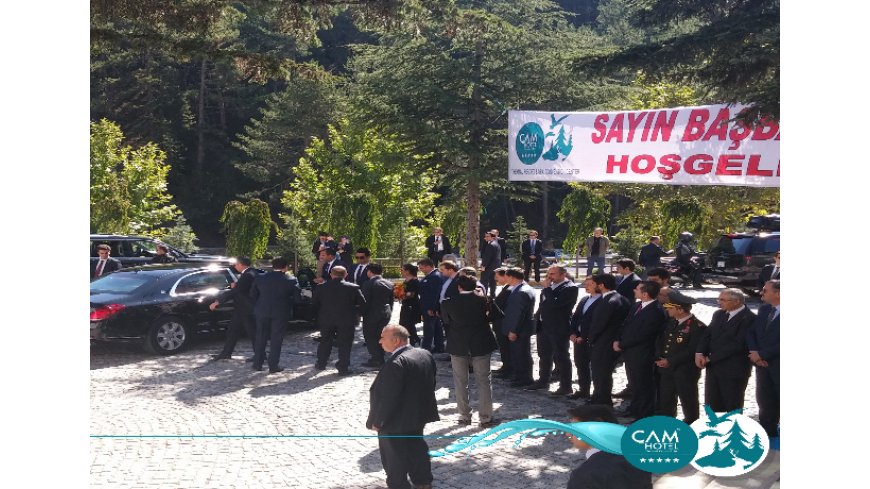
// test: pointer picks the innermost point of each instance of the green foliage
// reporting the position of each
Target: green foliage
(627, 242)
(516, 235)
(128, 185)
(360, 183)
(247, 227)
(294, 243)
(583, 210)
(181, 236)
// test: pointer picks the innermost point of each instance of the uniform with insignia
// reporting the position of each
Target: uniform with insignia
(680, 379)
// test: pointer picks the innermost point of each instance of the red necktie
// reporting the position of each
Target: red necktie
(99, 269)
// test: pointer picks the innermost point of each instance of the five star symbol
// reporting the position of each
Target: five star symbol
(660, 460)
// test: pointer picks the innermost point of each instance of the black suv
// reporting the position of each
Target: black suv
(138, 250)
(736, 259)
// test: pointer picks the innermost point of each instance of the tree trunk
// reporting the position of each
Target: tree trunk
(472, 221)
(200, 126)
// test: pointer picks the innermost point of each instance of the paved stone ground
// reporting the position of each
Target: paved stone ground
(180, 402)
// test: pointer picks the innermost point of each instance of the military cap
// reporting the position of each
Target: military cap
(676, 298)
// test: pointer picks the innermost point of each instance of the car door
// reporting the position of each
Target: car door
(193, 294)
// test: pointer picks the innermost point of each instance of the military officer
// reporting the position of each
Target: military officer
(678, 374)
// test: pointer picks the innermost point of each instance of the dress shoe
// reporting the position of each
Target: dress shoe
(562, 391)
(464, 422)
(258, 369)
(579, 395)
(319, 366)
(521, 383)
(422, 486)
(489, 424)
(249, 360)
(345, 373)
(537, 385)
(623, 394)
(276, 370)
(215, 358)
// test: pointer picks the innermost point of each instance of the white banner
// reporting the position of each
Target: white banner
(680, 146)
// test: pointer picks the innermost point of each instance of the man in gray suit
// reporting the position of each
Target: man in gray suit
(519, 325)
(376, 312)
(273, 295)
(336, 307)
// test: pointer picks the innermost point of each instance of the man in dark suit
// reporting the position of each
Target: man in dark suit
(105, 264)
(402, 401)
(625, 267)
(330, 260)
(532, 249)
(763, 343)
(450, 287)
(358, 273)
(321, 243)
(637, 342)
(437, 245)
(379, 295)
(496, 316)
(344, 248)
(553, 338)
(722, 350)
(163, 255)
(336, 305)
(769, 272)
(273, 295)
(471, 343)
(430, 296)
(675, 353)
(519, 326)
(604, 329)
(490, 259)
(602, 470)
(502, 245)
(580, 322)
(651, 254)
(243, 308)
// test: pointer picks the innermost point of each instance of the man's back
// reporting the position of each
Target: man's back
(519, 313)
(273, 295)
(403, 394)
(491, 256)
(378, 293)
(337, 302)
(607, 318)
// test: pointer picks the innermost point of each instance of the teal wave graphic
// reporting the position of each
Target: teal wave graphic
(603, 436)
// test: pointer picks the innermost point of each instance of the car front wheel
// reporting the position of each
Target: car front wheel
(167, 336)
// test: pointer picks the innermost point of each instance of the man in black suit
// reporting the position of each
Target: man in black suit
(763, 343)
(243, 308)
(336, 305)
(402, 401)
(553, 338)
(105, 264)
(519, 326)
(724, 353)
(430, 297)
(651, 254)
(330, 260)
(496, 316)
(675, 353)
(379, 295)
(532, 249)
(321, 243)
(273, 295)
(437, 245)
(637, 342)
(604, 329)
(602, 470)
(502, 245)
(471, 343)
(358, 273)
(625, 267)
(450, 286)
(769, 272)
(490, 259)
(580, 322)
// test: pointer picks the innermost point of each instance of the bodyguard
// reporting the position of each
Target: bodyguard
(273, 295)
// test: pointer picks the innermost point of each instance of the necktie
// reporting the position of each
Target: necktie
(775, 274)
(639, 307)
(770, 318)
(358, 273)
(99, 270)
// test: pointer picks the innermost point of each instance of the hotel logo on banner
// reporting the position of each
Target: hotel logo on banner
(531, 140)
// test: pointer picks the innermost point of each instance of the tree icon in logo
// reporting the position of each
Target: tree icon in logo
(559, 146)
(735, 445)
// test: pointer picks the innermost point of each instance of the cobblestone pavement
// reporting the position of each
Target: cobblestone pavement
(178, 403)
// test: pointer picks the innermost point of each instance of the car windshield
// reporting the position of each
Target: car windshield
(120, 283)
(748, 245)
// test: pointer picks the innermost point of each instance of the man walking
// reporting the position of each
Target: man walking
(243, 308)
(336, 305)
(273, 295)
(723, 351)
(532, 249)
(471, 343)
(402, 401)
(379, 295)
(651, 254)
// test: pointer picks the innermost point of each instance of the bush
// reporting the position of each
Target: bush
(628, 242)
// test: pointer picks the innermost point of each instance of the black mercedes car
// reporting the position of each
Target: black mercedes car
(164, 306)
